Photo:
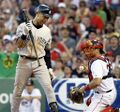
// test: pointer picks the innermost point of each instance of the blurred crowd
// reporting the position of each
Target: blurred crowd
(71, 23)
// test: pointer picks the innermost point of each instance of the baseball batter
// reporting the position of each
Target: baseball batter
(27, 63)
(100, 77)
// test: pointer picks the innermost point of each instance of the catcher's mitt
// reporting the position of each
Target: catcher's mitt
(75, 95)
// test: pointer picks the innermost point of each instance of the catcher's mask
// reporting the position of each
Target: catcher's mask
(92, 44)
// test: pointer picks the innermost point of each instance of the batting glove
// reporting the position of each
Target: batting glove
(27, 28)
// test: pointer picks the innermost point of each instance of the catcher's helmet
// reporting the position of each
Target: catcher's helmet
(44, 9)
(95, 44)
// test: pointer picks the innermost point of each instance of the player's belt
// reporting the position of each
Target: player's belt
(104, 91)
(30, 58)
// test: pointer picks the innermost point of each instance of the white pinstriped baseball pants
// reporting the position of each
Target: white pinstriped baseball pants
(24, 70)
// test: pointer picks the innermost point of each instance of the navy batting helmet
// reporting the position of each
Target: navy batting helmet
(44, 9)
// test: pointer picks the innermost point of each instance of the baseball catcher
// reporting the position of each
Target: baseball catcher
(100, 77)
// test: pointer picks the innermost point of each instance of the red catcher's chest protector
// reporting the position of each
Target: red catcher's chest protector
(103, 59)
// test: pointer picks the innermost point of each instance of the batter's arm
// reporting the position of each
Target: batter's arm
(48, 60)
(48, 55)
(21, 34)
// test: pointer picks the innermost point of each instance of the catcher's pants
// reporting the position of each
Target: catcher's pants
(34, 106)
(24, 69)
(99, 101)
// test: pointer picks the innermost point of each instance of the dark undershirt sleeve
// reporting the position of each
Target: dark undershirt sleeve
(48, 58)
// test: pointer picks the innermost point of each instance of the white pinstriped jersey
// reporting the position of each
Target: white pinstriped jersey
(42, 37)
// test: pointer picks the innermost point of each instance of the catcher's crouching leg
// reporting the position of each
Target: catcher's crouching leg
(53, 107)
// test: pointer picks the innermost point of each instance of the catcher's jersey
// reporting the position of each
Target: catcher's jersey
(99, 69)
(42, 38)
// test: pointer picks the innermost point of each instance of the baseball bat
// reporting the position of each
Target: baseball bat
(26, 19)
